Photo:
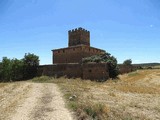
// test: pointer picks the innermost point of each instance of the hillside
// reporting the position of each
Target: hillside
(132, 96)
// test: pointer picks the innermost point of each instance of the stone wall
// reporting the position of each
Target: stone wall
(78, 37)
(58, 70)
(93, 71)
(73, 54)
(126, 69)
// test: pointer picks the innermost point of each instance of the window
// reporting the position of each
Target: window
(90, 71)
(63, 51)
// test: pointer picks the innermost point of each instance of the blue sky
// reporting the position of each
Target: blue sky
(128, 29)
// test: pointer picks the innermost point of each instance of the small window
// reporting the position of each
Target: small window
(73, 49)
(90, 71)
(58, 51)
(63, 51)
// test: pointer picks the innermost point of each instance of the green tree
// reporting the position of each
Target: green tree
(127, 62)
(31, 62)
(14, 69)
(17, 69)
(105, 58)
(0, 71)
(6, 67)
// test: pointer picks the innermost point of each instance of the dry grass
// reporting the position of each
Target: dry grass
(2, 85)
(10, 96)
(134, 96)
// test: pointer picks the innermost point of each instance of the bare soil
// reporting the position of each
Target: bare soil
(32, 101)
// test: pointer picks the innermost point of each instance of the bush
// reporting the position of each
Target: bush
(31, 62)
(105, 58)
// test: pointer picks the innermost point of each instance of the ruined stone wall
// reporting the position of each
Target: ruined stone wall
(78, 36)
(126, 69)
(93, 71)
(73, 54)
(69, 70)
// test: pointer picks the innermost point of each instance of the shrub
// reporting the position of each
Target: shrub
(105, 58)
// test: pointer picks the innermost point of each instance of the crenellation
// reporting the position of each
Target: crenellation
(80, 28)
(79, 36)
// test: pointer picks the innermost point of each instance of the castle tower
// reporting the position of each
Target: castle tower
(78, 36)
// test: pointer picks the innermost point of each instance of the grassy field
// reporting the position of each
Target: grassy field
(133, 96)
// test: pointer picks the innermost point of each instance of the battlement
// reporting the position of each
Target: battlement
(78, 36)
(78, 30)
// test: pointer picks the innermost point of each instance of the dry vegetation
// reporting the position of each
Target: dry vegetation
(133, 96)
(32, 101)
(11, 94)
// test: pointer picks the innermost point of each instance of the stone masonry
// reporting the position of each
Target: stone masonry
(78, 48)
(68, 61)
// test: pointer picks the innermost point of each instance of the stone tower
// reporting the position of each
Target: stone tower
(78, 36)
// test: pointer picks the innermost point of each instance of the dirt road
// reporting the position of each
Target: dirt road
(32, 101)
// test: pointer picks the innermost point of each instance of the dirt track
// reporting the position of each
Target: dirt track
(32, 101)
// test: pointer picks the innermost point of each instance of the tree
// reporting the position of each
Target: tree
(6, 67)
(105, 58)
(31, 62)
(0, 71)
(127, 62)
(14, 69)
(17, 69)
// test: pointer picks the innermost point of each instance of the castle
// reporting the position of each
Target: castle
(68, 61)
(78, 48)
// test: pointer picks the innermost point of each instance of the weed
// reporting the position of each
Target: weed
(42, 79)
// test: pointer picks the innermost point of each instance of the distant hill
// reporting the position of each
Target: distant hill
(147, 64)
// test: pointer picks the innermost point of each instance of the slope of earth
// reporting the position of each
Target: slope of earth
(133, 96)
(32, 101)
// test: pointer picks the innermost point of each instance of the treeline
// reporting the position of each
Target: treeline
(15, 69)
